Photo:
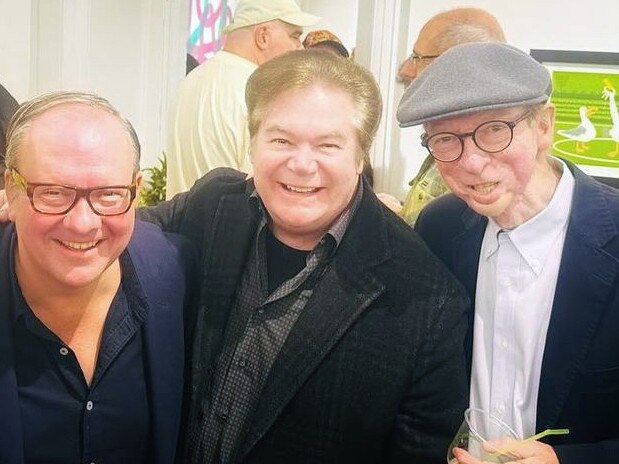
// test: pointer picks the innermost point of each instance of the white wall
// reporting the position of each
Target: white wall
(15, 47)
(591, 25)
(339, 17)
(132, 52)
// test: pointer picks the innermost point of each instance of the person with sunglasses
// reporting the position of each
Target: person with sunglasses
(534, 241)
(91, 313)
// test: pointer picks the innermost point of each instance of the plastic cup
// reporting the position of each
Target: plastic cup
(479, 427)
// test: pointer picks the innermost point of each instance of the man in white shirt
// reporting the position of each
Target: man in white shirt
(534, 240)
(208, 122)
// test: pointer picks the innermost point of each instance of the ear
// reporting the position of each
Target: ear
(9, 186)
(262, 36)
(8, 198)
(545, 127)
(139, 179)
(362, 159)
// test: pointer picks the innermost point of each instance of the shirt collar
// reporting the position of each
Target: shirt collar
(533, 239)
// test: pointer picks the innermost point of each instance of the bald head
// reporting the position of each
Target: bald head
(447, 29)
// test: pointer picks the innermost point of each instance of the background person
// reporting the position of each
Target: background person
(327, 40)
(534, 241)
(91, 313)
(328, 332)
(208, 122)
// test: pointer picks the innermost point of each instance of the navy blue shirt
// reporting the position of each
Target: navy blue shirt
(66, 421)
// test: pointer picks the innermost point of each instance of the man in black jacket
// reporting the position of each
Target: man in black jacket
(326, 330)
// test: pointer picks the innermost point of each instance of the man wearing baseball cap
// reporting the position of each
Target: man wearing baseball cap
(535, 242)
(208, 122)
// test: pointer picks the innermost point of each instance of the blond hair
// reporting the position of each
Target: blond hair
(301, 69)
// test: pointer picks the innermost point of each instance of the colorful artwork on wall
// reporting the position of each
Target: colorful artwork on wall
(208, 20)
(585, 87)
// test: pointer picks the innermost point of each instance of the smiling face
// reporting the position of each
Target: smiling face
(80, 146)
(510, 186)
(307, 162)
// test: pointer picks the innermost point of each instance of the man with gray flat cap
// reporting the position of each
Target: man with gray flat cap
(535, 242)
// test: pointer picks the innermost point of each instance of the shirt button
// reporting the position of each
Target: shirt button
(64, 351)
(504, 344)
(222, 415)
(241, 363)
(89, 406)
(500, 408)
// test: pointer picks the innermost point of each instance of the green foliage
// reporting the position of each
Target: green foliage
(153, 190)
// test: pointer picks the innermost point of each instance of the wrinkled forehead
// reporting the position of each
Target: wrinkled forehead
(76, 129)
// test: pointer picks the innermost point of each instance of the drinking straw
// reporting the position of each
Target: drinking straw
(537, 436)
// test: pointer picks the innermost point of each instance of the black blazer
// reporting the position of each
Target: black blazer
(373, 370)
(579, 386)
(160, 264)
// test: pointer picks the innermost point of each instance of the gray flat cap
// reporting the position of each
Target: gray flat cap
(474, 77)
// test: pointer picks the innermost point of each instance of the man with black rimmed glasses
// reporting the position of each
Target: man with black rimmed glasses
(535, 241)
(91, 313)
(440, 33)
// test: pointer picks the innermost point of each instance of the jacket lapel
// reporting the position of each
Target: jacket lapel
(226, 248)
(154, 288)
(11, 440)
(586, 278)
(466, 249)
(346, 289)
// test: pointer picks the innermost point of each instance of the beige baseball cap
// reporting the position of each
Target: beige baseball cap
(250, 12)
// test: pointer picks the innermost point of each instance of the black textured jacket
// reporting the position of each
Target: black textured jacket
(373, 370)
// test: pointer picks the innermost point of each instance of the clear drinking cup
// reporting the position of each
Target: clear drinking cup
(478, 428)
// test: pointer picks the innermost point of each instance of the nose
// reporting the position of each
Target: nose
(81, 218)
(473, 159)
(302, 161)
(408, 71)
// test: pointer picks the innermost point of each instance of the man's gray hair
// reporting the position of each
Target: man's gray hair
(30, 110)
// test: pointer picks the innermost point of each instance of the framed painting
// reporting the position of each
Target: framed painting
(585, 88)
(208, 19)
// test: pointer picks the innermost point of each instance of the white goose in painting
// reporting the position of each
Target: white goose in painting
(582, 133)
(609, 94)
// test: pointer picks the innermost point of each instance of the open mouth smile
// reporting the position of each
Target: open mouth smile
(485, 187)
(79, 246)
(292, 188)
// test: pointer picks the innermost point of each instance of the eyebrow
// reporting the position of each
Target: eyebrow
(278, 130)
